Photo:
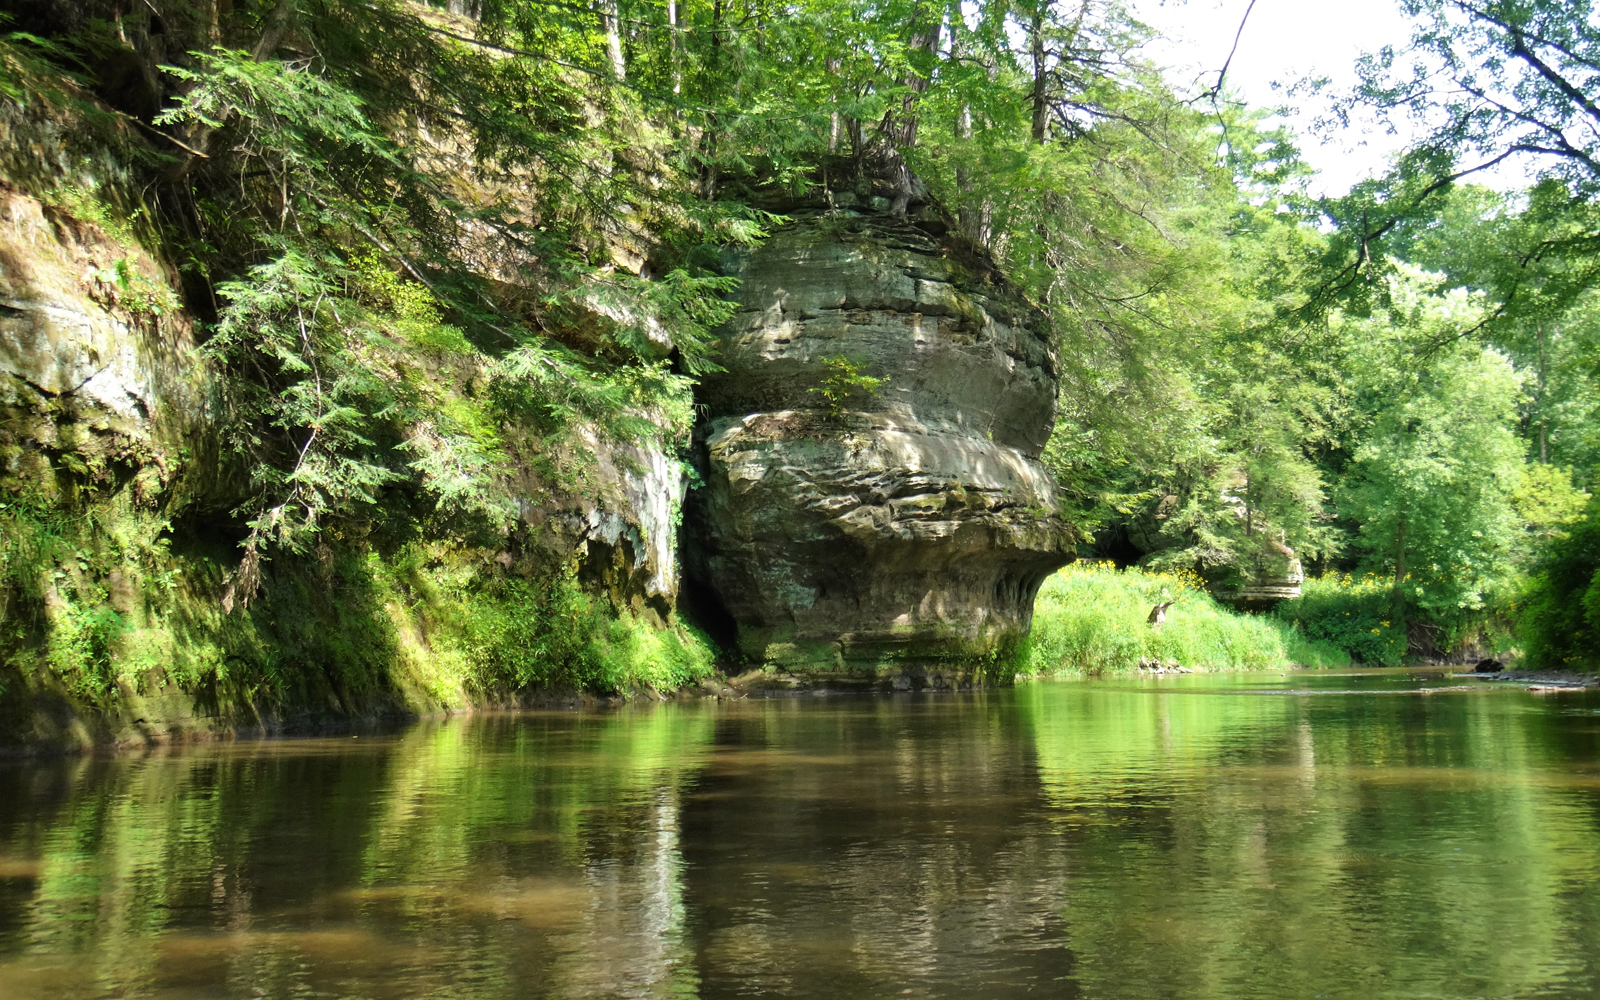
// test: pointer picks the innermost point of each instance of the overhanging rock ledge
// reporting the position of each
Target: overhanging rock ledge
(897, 535)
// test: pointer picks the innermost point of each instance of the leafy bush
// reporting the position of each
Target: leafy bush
(81, 647)
(1350, 614)
(429, 625)
(519, 635)
(1560, 614)
(1093, 618)
(846, 384)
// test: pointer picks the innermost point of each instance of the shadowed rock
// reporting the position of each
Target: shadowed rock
(896, 526)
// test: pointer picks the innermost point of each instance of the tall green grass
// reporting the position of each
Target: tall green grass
(1092, 618)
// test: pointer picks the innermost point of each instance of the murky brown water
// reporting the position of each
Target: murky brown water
(1245, 836)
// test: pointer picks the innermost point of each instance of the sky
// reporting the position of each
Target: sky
(1285, 41)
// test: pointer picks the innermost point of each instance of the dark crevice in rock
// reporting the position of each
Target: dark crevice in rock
(36, 387)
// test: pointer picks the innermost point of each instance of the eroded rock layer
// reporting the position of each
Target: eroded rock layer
(876, 529)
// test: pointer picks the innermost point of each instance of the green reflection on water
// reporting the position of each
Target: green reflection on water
(1344, 845)
(1248, 836)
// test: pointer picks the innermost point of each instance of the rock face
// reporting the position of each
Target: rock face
(1275, 575)
(894, 527)
(106, 407)
(622, 534)
(90, 361)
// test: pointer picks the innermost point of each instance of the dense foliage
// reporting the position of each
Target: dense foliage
(439, 255)
(1349, 613)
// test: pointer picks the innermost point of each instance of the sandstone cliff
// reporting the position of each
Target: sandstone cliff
(872, 500)
(115, 532)
(118, 507)
(905, 522)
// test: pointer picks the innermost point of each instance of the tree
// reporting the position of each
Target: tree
(1431, 479)
(403, 228)
(1550, 324)
(1559, 619)
(1490, 80)
(1484, 83)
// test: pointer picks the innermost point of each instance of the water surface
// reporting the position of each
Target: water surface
(1240, 836)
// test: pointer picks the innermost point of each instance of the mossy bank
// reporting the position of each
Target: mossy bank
(316, 493)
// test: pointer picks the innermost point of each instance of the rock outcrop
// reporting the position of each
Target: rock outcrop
(620, 530)
(94, 359)
(1274, 575)
(873, 501)
(118, 529)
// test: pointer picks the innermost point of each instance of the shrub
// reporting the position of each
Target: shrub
(846, 384)
(518, 634)
(1560, 614)
(1350, 614)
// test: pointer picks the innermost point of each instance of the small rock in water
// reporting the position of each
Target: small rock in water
(1155, 666)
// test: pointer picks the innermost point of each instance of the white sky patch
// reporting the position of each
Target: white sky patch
(1284, 42)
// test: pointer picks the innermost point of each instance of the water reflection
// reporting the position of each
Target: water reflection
(1188, 837)
(1432, 845)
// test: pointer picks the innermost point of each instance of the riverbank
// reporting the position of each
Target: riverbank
(1092, 619)
(60, 726)
(1089, 620)
(749, 685)
(1545, 679)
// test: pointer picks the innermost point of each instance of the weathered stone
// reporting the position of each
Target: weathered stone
(606, 508)
(1273, 575)
(94, 359)
(626, 534)
(906, 525)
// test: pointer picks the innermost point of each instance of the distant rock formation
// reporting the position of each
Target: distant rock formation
(873, 501)
(1275, 575)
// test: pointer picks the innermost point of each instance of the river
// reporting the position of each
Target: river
(1358, 835)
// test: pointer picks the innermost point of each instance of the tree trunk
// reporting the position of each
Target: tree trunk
(968, 213)
(1041, 95)
(273, 31)
(833, 117)
(1400, 577)
(1544, 450)
(710, 173)
(195, 137)
(611, 23)
(902, 134)
(677, 54)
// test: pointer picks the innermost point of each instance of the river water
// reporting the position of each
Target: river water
(1309, 835)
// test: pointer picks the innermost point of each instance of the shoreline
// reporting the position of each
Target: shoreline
(61, 729)
(748, 685)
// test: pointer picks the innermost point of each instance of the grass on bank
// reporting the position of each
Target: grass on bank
(1092, 618)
